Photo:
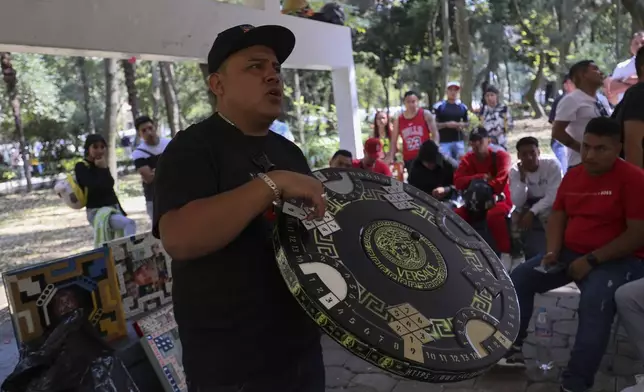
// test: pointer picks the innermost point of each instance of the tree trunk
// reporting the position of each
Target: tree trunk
(211, 97)
(170, 97)
(508, 79)
(446, 44)
(90, 126)
(111, 114)
(636, 9)
(534, 85)
(299, 118)
(129, 72)
(465, 50)
(156, 91)
(385, 86)
(11, 81)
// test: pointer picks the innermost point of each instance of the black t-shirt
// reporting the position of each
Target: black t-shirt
(630, 107)
(99, 184)
(427, 180)
(236, 315)
(446, 112)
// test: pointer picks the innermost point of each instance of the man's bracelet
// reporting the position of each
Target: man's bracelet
(277, 199)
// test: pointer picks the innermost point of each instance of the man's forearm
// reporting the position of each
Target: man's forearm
(567, 140)
(634, 154)
(555, 232)
(206, 225)
(624, 245)
(618, 86)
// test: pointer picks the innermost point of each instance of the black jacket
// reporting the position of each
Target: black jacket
(427, 180)
(99, 184)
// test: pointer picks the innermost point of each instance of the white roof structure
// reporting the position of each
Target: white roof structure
(172, 30)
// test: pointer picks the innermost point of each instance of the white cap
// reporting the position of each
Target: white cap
(453, 84)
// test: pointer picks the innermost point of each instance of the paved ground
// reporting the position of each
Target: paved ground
(346, 372)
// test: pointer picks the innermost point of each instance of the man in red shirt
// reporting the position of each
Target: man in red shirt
(594, 238)
(494, 167)
(372, 160)
(414, 125)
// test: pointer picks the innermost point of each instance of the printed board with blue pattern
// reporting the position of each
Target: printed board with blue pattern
(162, 345)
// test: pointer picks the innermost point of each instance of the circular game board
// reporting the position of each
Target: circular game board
(398, 279)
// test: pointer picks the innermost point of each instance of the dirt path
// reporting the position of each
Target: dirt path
(38, 227)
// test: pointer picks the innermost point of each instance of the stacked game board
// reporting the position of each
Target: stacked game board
(143, 273)
(161, 344)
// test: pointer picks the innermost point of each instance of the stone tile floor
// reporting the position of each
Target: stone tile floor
(346, 372)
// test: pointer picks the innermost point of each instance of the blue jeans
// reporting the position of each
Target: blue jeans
(304, 374)
(452, 151)
(561, 153)
(596, 309)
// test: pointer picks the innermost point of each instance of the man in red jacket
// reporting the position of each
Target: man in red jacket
(493, 167)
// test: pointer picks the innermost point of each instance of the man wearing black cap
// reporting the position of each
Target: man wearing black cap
(215, 188)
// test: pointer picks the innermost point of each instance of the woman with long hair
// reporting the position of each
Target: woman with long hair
(93, 175)
(382, 129)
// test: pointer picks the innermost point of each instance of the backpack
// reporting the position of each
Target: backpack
(72, 194)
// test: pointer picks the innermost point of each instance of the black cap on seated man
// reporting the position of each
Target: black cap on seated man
(240, 327)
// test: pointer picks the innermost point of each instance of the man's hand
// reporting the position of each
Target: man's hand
(439, 193)
(300, 186)
(486, 176)
(388, 159)
(549, 259)
(102, 162)
(579, 268)
(633, 79)
(526, 221)
(452, 124)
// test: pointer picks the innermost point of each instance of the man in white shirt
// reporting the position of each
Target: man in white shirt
(577, 108)
(146, 155)
(533, 187)
(624, 75)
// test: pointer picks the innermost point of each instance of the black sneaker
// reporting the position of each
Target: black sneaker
(514, 358)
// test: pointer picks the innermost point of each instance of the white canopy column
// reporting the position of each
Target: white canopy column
(346, 106)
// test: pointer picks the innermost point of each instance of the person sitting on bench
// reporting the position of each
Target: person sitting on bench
(432, 173)
(493, 167)
(533, 185)
(594, 238)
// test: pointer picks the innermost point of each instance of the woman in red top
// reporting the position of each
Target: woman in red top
(415, 125)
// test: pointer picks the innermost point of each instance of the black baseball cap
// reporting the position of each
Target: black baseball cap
(478, 133)
(228, 42)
